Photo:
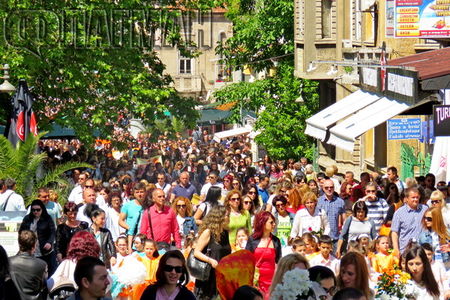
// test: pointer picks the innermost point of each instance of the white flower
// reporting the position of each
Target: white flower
(295, 283)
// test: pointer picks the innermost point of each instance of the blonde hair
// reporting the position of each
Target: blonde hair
(438, 195)
(285, 264)
(438, 224)
(329, 171)
(309, 196)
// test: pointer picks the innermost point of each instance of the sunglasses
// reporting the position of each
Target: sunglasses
(330, 290)
(429, 219)
(247, 202)
(371, 191)
(235, 199)
(169, 268)
(251, 193)
(36, 209)
(89, 186)
(435, 201)
(328, 187)
(181, 206)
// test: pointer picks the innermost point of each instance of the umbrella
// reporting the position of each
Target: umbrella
(23, 119)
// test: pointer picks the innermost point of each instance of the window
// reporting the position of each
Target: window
(185, 65)
(326, 19)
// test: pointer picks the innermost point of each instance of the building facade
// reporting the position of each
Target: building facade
(198, 76)
(333, 40)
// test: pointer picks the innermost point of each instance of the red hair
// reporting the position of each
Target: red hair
(260, 222)
(83, 244)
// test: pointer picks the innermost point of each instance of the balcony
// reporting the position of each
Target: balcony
(187, 83)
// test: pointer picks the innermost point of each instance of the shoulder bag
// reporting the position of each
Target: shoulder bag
(199, 269)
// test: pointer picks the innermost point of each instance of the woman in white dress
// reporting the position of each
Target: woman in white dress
(112, 215)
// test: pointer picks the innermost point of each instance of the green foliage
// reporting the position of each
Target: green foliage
(263, 32)
(22, 164)
(280, 118)
(92, 62)
(262, 29)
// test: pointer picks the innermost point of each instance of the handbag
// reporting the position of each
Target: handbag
(199, 269)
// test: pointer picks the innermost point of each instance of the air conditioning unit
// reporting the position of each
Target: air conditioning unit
(367, 4)
(347, 44)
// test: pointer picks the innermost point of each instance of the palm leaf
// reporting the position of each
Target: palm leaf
(7, 156)
(58, 171)
(27, 149)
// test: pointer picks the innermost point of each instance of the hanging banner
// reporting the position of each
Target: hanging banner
(441, 120)
(420, 18)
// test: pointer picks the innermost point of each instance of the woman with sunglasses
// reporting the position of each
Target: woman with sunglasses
(171, 279)
(239, 217)
(40, 222)
(251, 199)
(183, 208)
(436, 234)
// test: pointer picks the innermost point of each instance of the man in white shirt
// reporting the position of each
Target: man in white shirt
(89, 197)
(212, 181)
(162, 184)
(10, 200)
(76, 195)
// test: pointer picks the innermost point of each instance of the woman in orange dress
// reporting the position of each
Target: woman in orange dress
(150, 261)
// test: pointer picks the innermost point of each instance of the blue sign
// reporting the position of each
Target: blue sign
(404, 129)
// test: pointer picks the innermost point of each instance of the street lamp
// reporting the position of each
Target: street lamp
(6, 87)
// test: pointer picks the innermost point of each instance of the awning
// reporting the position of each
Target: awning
(317, 125)
(232, 132)
(343, 135)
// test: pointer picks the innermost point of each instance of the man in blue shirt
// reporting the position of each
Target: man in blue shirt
(184, 188)
(262, 188)
(407, 221)
(334, 207)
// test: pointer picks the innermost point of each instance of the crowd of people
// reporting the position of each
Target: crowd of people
(132, 224)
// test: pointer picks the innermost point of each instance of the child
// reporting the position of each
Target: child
(383, 259)
(437, 267)
(299, 246)
(138, 244)
(364, 241)
(150, 261)
(241, 239)
(311, 250)
(325, 258)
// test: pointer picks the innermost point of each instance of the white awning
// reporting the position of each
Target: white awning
(344, 133)
(232, 132)
(317, 125)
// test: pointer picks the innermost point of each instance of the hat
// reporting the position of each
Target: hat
(363, 235)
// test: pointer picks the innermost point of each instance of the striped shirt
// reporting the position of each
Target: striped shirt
(407, 224)
(377, 212)
(333, 208)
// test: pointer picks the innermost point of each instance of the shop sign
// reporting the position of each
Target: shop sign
(441, 120)
(404, 129)
(399, 84)
(418, 18)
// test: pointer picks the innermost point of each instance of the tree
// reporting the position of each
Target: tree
(91, 64)
(22, 164)
(263, 38)
(280, 118)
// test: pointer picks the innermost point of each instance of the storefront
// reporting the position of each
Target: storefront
(406, 86)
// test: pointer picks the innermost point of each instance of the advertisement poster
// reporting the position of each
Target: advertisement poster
(422, 18)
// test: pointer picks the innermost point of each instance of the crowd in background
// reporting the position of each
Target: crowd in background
(142, 212)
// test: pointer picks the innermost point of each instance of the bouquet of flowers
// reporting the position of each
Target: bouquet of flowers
(395, 284)
(295, 286)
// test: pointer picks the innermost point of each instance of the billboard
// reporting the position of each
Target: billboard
(418, 18)
(441, 120)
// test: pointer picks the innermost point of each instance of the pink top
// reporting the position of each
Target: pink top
(161, 294)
